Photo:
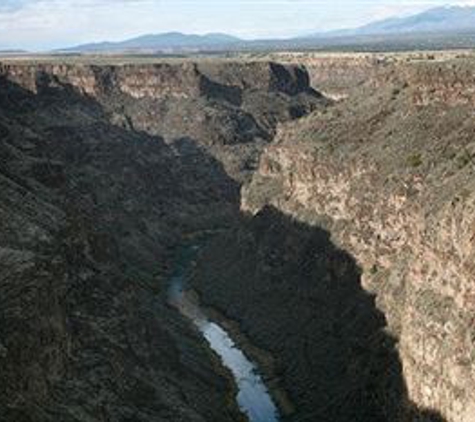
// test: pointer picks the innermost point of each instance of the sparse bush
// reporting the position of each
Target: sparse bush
(415, 160)
(464, 159)
(373, 270)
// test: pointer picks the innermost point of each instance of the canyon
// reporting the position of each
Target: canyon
(338, 194)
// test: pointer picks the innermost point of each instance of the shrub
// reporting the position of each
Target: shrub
(464, 159)
(415, 160)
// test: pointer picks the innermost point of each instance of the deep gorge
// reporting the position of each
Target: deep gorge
(344, 246)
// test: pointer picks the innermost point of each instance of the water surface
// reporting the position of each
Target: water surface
(253, 396)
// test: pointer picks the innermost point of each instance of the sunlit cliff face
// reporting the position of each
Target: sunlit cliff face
(389, 173)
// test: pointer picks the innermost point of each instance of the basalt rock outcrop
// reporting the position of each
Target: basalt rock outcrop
(103, 170)
(390, 174)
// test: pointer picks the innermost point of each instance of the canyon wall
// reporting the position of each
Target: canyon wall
(348, 254)
(231, 109)
(94, 202)
(187, 79)
(338, 74)
(89, 217)
(389, 173)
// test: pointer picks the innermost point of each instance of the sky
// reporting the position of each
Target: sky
(37, 25)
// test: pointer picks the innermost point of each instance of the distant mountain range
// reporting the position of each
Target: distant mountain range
(170, 41)
(11, 51)
(434, 28)
(441, 19)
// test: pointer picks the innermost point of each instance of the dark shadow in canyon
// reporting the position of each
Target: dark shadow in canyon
(128, 198)
(299, 296)
(90, 216)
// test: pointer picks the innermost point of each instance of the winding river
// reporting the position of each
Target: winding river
(253, 396)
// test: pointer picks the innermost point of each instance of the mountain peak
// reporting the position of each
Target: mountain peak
(449, 18)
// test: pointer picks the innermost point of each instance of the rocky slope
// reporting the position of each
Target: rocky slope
(103, 170)
(389, 173)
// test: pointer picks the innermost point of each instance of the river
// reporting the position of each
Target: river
(253, 397)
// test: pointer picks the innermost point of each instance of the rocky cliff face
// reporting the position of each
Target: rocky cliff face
(390, 173)
(451, 83)
(89, 216)
(232, 109)
(93, 203)
(157, 81)
(337, 74)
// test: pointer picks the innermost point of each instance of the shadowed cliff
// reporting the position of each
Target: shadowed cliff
(90, 215)
(94, 203)
(298, 296)
(231, 109)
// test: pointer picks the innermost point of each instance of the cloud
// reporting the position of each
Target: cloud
(49, 24)
(12, 5)
(15, 5)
